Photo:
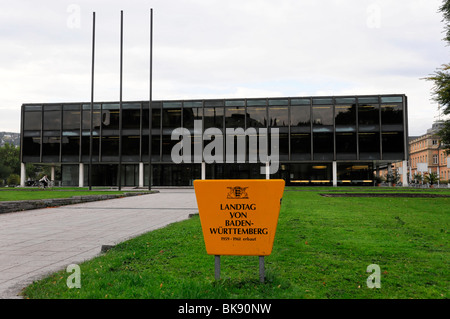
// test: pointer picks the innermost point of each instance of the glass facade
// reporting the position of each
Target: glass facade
(357, 132)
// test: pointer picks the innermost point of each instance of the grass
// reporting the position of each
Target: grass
(322, 249)
(32, 194)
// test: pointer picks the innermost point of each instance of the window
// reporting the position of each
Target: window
(435, 159)
(301, 115)
(392, 114)
(156, 116)
(368, 114)
(323, 146)
(131, 116)
(70, 147)
(345, 146)
(50, 148)
(391, 99)
(96, 117)
(213, 117)
(345, 115)
(52, 118)
(322, 115)
(192, 111)
(85, 139)
(278, 116)
(369, 146)
(283, 144)
(256, 116)
(71, 117)
(109, 117)
(171, 116)
(130, 147)
(300, 146)
(156, 144)
(392, 145)
(32, 121)
(249, 103)
(235, 116)
(31, 148)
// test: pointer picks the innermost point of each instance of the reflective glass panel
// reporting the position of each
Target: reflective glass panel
(131, 116)
(300, 146)
(369, 145)
(52, 120)
(97, 117)
(32, 121)
(368, 114)
(235, 117)
(256, 116)
(278, 116)
(346, 146)
(191, 114)
(323, 147)
(71, 119)
(300, 115)
(213, 117)
(391, 114)
(345, 114)
(32, 147)
(323, 115)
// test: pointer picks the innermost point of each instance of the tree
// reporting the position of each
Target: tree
(431, 178)
(10, 157)
(418, 178)
(441, 79)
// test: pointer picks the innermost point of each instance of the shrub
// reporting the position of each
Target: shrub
(13, 180)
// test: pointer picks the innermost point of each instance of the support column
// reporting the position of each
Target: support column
(52, 173)
(203, 170)
(334, 173)
(405, 174)
(217, 267)
(22, 174)
(141, 175)
(81, 175)
(262, 272)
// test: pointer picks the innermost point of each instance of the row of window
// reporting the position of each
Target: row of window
(185, 174)
(293, 146)
(169, 115)
(369, 128)
(424, 159)
(424, 144)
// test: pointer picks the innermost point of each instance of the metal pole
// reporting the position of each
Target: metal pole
(92, 103)
(217, 267)
(150, 105)
(261, 269)
(120, 102)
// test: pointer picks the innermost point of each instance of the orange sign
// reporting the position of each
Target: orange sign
(239, 217)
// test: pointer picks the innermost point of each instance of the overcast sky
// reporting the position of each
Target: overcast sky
(220, 49)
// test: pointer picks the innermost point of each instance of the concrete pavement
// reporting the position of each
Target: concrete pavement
(36, 243)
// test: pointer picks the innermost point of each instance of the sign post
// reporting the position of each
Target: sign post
(239, 217)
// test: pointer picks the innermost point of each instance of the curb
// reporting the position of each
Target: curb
(22, 205)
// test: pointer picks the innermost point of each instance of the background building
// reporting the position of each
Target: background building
(337, 140)
(427, 149)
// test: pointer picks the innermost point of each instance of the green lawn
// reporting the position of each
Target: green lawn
(31, 194)
(322, 249)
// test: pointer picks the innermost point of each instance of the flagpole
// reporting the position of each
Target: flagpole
(150, 105)
(92, 103)
(120, 103)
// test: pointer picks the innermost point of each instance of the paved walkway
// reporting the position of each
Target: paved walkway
(38, 242)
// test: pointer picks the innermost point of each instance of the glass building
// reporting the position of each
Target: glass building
(339, 140)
